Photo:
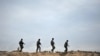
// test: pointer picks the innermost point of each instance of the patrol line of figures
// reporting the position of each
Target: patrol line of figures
(38, 49)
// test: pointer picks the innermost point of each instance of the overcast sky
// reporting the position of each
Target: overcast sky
(75, 20)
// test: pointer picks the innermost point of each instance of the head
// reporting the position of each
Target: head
(52, 38)
(38, 39)
(66, 40)
(21, 39)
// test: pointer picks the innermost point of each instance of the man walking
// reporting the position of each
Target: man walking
(53, 45)
(66, 46)
(21, 43)
(38, 46)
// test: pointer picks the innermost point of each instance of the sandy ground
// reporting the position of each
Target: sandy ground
(71, 53)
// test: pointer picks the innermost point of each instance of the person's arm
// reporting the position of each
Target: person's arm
(67, 44)
(40, 43)
(23, 43)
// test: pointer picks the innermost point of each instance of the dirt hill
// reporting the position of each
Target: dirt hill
(71, 53)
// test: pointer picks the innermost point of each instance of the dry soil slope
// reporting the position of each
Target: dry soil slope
(4, 53)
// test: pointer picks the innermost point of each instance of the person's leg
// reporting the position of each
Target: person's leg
(52, 49)
(66, 49)
(39, 49)
(20, 48)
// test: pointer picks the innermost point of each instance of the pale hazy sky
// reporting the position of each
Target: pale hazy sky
(75, 20)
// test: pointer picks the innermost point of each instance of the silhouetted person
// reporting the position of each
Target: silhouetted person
(66, 46)
(53, 45)
(38, 46)
(21, 43)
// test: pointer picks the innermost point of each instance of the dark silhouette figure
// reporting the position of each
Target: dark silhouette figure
(66, 46)
(21, 43)
(38, 46)
(53, 45)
